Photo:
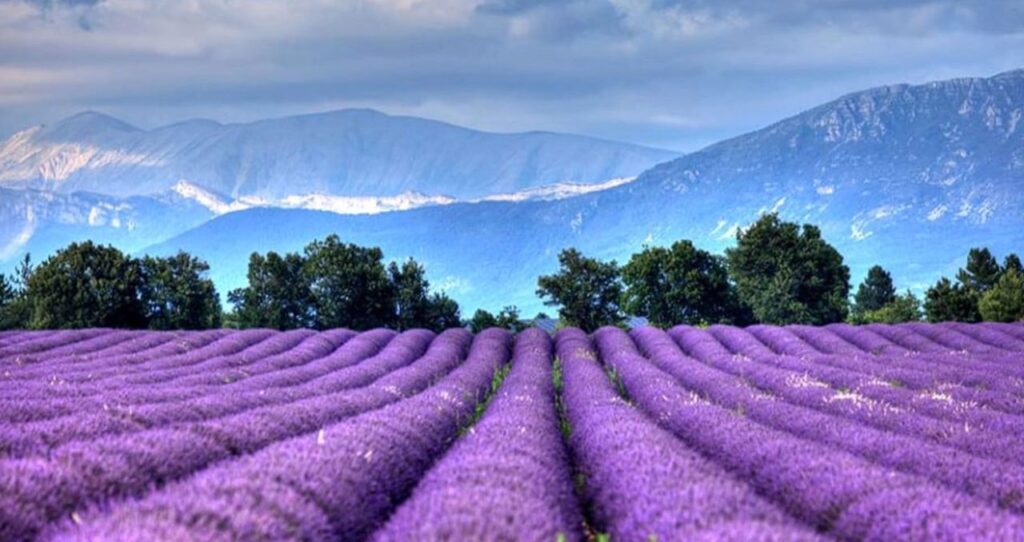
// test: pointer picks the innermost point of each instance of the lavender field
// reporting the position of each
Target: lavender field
(877, 432)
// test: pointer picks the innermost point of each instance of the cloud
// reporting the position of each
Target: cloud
(671, 73)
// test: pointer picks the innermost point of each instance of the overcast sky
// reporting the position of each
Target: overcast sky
(675, 74)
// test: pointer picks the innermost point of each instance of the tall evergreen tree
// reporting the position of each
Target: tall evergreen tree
(86, 285)
(586, 290)
(6, 291)
(787, 274)
(875, 292)
(1004, 302)
(1012, 261)
(415, 305)
(678, 285)
(951, 302)
(177, 294)
(7, 297)
(982, 271)
(411, 294)
(16, 312)
(22, 273)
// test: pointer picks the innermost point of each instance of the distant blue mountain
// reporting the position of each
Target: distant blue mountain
(41, 222)
(909, 177)
(355, 152)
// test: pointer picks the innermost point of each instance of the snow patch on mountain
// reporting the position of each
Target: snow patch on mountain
(371, 205)
(216, 204)
(357, 205)
(557, 191)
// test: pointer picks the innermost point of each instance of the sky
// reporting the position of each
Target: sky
(673, 74)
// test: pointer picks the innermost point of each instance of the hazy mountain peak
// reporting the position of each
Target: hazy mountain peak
(345, 153)
(89, 122)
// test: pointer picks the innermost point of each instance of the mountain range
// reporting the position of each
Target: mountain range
(354, 152)
(906, 176)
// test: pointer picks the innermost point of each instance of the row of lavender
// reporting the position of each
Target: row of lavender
(798, 433)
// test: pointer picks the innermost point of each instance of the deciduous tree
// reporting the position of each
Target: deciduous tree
(177, 294)
(585, 290)
(86, 285)
(681, 284)
(787, 274)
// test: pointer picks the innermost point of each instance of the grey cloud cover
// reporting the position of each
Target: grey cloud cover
(676, 74)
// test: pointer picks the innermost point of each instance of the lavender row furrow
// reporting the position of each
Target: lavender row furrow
(215, 367)
(508, 477)
(34, 492)
(642, 483)
(799, 388)
(336, 483)
(961, 384)
(998, 482)
(127, 355)
(850, 386)
(838, 492)
(122, 367)
(114, 418)
(40, 342)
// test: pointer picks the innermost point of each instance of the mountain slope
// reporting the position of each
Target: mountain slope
(341, 153)
(909, 177)
(42, 222)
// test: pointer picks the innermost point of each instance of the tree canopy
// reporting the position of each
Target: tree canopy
(277, 295)
(981, 272)
(86, 285)
(947, 301)
(585, 290)
(176, 293)
(787, 274)
(335, 284)
(875, 292)
(679, 285)
(1004, 302)
(902, 308)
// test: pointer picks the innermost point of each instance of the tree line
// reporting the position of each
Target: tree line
(778, 273)
(89, 285)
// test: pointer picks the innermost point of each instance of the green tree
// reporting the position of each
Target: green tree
(7, 296)
(277, 295)
(678, 285)
(789, 275)
(349, 284)
(482, 320)
(86, 285)
(586, 290)
(442, 313)
(982, 271)
(951, 302)
(415, 305)
(23, 273)
(1012, 261)
(875, 292)
(903, 308)
(177, 294)
(507, 318)
(1004, 302)
(15, 311)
